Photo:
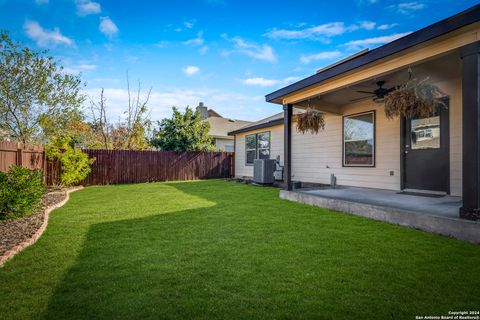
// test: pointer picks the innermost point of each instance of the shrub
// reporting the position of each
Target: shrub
(21, 192)
(75, 164)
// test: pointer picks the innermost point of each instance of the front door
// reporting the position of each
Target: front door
(426, 152)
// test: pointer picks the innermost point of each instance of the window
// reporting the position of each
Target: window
(257, 146)
(228, 147)
(359, 140)
(425, 133)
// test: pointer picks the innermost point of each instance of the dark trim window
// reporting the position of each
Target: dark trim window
(257, 146)
(359, 140)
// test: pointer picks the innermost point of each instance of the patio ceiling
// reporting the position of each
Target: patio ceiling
(447, 66)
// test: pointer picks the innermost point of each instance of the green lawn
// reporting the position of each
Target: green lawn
(221, 250)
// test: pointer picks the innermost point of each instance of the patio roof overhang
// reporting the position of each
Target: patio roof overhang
(420, 46)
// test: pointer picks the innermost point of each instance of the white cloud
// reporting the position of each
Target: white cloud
(387, 26)
(79, 68)
(185, 26)
(320, 32)
(107, 26)
(408, 7)
(361, 2)
(325, 55)
(203, 50)
(191, 70)
(198, 41)
(162, 44)
(260, 52)
(87, 7)
(189, 24)
(262, 82)
(358, 44)
(291, 79)
(44, 37)
(316, 32)
(366, 25)
(227, 103)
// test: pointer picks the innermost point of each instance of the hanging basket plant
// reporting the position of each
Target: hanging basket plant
(310, 121)
(414, 98)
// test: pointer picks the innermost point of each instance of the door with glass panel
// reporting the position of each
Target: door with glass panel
(426, 152)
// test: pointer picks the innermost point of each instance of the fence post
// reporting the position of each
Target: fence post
(45, 167)
(19, 161)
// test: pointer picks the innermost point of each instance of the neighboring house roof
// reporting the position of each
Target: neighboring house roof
(219, 127)
(213, 113)
(440, 28)
(271, 121)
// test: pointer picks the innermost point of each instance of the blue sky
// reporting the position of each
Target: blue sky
(226, 53)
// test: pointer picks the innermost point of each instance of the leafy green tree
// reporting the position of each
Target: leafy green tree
(36, 95)
(75, 164)
(183, 132)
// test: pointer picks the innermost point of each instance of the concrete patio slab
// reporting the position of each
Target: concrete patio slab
(433, 214)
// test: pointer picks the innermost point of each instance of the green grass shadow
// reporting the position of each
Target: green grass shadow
(254, 256)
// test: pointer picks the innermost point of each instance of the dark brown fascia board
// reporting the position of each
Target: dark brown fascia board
(258, 126)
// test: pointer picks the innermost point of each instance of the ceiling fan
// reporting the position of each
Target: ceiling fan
(379, 94)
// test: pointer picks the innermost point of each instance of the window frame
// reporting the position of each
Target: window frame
(374, 149)
(256, 146)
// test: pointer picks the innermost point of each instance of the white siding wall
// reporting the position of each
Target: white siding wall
(276, 148)
(315, 157)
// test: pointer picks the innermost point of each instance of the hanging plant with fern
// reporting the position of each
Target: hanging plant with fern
(310, 121)
(414, 99)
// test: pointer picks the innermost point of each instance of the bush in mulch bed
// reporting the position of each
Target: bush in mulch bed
(15, 231)
(21, 192)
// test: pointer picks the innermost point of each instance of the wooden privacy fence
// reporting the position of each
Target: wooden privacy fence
(125, 166)
(28, 156)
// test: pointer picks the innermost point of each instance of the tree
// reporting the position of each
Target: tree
(129, 134)
(183, 132)
(137, 119)
(36, 96)
(100, 126)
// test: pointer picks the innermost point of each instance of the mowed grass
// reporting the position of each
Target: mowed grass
(221, 250)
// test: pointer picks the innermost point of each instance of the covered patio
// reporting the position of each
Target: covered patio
(446, 53)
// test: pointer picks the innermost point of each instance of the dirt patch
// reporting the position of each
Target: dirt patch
(14, 232)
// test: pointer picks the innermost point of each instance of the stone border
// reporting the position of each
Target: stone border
(466, 230)
(12, 252)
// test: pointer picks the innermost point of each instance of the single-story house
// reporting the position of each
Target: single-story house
(262, 139)
(360, 145)
(219, 127)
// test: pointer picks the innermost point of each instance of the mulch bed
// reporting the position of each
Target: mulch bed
(14, 232)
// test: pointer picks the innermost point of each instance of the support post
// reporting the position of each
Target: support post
(287, 158)
(470, 55)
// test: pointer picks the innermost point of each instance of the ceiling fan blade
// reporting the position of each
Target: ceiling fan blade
(392, 89)
(369, 92)
(363, 98)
